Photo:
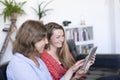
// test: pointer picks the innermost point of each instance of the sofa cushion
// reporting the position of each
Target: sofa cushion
(112, 77)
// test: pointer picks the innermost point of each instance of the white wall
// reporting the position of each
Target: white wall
(117, 25)
(95, 12)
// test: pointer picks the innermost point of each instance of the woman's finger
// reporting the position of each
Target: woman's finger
(77, 65)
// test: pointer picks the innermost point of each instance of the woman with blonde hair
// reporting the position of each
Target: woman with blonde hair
(57, 56)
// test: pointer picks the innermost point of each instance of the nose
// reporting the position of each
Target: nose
(62, 39)
(46, 41)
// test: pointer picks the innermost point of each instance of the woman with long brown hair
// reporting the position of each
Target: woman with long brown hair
(57, 56)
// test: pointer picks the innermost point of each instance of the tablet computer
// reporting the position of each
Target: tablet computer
(89, 57)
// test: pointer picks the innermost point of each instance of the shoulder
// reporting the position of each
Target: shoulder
(19, 62)
(19, 65)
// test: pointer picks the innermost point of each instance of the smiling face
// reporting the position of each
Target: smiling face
(41, 44)
(57, 38)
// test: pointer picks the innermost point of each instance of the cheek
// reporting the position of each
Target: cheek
(52, 40)
(38, 46)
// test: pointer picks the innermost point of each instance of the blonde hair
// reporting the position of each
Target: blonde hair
(63, 53)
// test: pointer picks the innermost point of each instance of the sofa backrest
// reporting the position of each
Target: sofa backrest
(3, 68)
(72, 48)
(105, 60)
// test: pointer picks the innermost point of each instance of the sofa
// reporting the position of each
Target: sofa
(3, 71)
(106, 66)
(72, 48)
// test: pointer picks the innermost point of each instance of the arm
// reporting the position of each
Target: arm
(73, 69)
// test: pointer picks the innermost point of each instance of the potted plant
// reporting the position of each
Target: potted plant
(12, 9)
(41, 9)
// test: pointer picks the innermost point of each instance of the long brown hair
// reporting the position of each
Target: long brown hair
(63, 53)
(30, 32)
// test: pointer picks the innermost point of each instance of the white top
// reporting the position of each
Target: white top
(23, 68)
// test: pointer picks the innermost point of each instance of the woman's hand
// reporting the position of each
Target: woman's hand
(92, 60)
(80, 72)
(76, 71)
(73, 69)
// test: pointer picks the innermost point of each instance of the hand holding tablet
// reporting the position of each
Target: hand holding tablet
(89, 57)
